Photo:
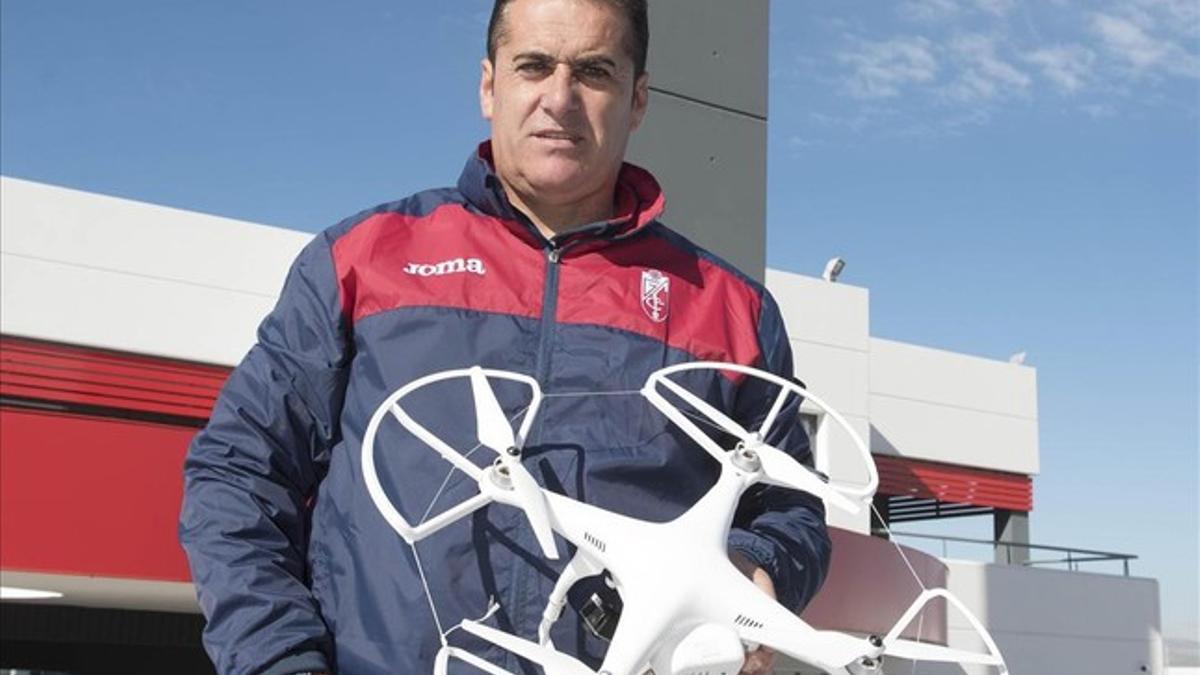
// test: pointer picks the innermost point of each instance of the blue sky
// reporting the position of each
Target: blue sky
(1003, 176)
(1011, 177)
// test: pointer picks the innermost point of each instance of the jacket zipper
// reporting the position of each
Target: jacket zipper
(549, 308)
(523, 578)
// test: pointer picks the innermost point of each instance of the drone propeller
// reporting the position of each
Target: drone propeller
(550, 660)
(494, 432)
(779, 468)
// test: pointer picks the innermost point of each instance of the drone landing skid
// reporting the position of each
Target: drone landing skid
(708, 648)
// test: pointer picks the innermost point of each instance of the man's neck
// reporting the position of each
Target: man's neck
(553, 219)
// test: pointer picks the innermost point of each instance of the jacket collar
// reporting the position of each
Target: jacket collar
(639, 200)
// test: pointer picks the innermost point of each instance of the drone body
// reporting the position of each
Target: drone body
(686, 608)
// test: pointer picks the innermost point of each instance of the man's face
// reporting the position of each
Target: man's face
(562, 99)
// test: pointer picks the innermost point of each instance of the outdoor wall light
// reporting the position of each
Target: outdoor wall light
(833, 268)
(14, 593)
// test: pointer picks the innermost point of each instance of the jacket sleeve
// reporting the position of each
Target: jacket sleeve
(782, 531)
(249, 475)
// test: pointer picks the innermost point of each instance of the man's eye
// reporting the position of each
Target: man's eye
(594, 73)
(532, 67)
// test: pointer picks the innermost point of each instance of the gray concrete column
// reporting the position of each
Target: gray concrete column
(880, 516)
(705, 132)
(1011, 527)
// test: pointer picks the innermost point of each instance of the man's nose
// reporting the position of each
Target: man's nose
(562, 95)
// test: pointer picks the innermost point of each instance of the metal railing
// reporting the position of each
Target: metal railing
(1071, 557)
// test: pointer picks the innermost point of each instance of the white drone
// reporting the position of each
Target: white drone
(686, 608)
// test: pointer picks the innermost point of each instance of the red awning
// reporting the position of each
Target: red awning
(904, 477)
(79, 377)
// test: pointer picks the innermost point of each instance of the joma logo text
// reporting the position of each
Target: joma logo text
(455, 266)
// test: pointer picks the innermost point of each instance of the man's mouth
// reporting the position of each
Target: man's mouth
(553, 135)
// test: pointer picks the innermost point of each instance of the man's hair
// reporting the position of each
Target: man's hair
(637, 38)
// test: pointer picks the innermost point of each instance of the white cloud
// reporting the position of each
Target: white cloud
(928, 11)
(983, 74)
(1179, 16)
(996, 7)
(971, 59)
(933, 11)
(1129, 40)
(881, 69)
(1068, 67)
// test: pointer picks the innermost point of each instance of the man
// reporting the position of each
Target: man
(535, 263)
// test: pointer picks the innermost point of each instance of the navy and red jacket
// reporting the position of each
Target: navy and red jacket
(296, 569)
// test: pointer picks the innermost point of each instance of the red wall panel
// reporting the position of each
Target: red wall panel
(91, 496)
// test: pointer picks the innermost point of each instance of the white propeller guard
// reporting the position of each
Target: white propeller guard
(860, 494)
(391, 405)
(918, 651)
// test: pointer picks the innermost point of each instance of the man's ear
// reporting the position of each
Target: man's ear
(641, 99)
(487, 83)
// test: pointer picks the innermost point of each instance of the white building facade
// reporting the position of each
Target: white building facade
(120, 320)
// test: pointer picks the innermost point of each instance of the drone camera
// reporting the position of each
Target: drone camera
(600, 617)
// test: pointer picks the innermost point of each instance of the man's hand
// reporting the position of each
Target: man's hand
(761, 660)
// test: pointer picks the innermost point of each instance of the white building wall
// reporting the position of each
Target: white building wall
(1049, 622)
(99, 271)
(945, 407)
(916, 402)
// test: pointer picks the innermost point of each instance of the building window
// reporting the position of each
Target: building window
(811, 423)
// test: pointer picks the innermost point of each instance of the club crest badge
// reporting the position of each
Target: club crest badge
(656, 295)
